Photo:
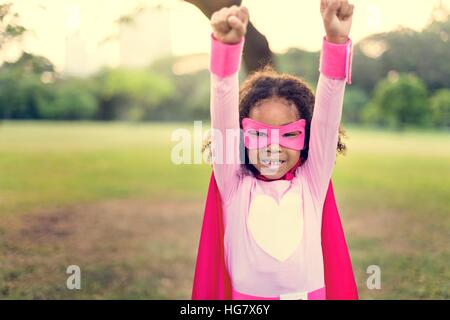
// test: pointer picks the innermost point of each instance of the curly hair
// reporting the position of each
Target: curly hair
(266, 84)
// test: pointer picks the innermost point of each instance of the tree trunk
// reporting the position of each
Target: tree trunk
(257, 53)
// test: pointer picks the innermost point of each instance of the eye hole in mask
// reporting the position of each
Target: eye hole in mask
(292, 134)
(257, 133)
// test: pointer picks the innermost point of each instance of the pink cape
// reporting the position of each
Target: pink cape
(211, 279)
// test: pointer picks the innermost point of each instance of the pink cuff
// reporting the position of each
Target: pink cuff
(336, 60)
(225, 58)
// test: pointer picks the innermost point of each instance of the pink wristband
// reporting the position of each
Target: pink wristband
(225, 58)
(336, 60)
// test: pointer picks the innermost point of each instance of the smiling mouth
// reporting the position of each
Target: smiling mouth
(273, 164)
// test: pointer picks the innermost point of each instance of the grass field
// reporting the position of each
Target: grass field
(107, 198)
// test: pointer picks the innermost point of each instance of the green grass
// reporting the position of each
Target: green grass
(53, 164)
(392, 188)
(406, 172)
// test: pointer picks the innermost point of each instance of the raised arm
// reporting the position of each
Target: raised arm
(335, 71)
(227, 40)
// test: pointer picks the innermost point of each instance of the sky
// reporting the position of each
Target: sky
(286, 23)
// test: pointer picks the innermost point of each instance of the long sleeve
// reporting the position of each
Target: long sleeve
(335, 71)
(224, 67)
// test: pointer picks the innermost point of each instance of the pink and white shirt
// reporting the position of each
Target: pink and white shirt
(272, 235)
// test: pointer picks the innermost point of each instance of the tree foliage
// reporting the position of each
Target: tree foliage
(399, 101)
(440, 108)
(10, 27)
(23, 90)
(423, 53)
(394, 74)
(130, 94)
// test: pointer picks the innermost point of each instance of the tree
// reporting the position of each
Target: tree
(404, 50)
(10, 29)
(69, 99)
(31, 64)
(400, 100)
(440, 108)
(256, 48)
(300, 63)
(125, 94)
(354, 102)
(24, 86)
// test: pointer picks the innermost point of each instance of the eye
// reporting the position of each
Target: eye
(257, 133)
(292, 134)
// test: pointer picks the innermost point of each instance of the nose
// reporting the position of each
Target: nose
(274, 148)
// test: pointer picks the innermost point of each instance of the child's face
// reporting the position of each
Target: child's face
(274, 112)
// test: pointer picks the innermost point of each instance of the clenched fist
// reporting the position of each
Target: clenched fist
(337, 18)
(230, 24)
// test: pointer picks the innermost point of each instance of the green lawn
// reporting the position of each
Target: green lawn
(48, 164)
(393, 192)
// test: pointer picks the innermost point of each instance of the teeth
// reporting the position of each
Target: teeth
(271, 162)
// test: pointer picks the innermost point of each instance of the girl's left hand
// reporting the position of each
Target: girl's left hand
(337, 18)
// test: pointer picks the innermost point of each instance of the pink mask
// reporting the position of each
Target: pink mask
(259, 135)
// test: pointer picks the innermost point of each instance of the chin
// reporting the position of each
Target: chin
(275, 175)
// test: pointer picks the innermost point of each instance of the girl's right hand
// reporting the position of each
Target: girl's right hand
(337, 18)
(230, 24)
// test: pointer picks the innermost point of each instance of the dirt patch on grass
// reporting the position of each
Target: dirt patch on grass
(411, 251)
(398, 232)
(130, 248)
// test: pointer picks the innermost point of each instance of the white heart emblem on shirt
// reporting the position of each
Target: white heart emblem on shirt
(276, 228)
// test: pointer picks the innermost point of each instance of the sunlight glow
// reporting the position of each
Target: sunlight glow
(285, 23)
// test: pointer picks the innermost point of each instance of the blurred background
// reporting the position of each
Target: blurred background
(91, 92)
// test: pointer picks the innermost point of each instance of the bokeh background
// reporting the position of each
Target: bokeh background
(91, 92)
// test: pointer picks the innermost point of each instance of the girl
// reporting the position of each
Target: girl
(263, 233)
